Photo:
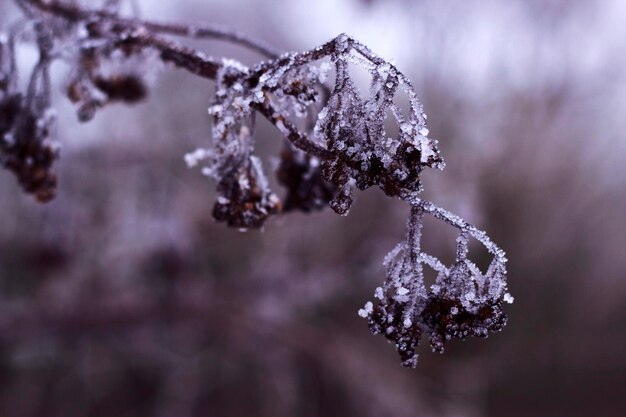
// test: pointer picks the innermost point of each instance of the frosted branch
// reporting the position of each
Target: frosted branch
(336, 139)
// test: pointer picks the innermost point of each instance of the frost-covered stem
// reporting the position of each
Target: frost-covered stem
(213, 32)
(290, 131)
(76, 14)
(462, 246)
(14, 30)
(133, 31)
(291, 60)
(414, 237)
(458, 222)
(41, 72)
(175, 53)
(414, 234)
(32, 91)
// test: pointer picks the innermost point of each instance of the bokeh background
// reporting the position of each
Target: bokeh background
(124, 298)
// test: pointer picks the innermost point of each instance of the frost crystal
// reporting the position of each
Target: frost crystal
(378, 293)
(193, 158)
(366, 310)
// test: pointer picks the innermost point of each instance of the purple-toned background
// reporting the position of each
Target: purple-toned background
(123, 297)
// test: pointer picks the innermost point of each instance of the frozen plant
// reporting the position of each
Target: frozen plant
(335, 141)
(463, 301)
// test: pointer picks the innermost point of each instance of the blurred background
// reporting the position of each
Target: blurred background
(123, 297)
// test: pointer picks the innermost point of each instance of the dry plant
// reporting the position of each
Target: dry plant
(335, 141)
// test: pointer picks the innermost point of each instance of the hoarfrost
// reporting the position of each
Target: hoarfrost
(193, 158)
(378, 293)
(404, 303)
(402, 291)
(347, 137)
(366, 310)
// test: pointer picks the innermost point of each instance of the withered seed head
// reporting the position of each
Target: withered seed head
(244, 207)
(29, 155)
(128, 88)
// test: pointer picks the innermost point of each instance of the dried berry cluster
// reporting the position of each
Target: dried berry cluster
(463, 301)
(107, 69)
(344, 140)
(336, 140)
(26, 148)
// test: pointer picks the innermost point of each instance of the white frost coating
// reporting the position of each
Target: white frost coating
(193, 158)
(262, 181)
(462, 246)
(208, 172)
(366, 310)
(426, 149)
(407, 128)
(244, 182)
(259, 96)
(236, 65)
(400, 174)
(462, 287)
(378, 293)
(402, 291)
(324, 68)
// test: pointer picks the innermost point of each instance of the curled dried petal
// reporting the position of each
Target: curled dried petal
(301, 175)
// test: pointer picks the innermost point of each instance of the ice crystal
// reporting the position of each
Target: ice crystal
(366, 310)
